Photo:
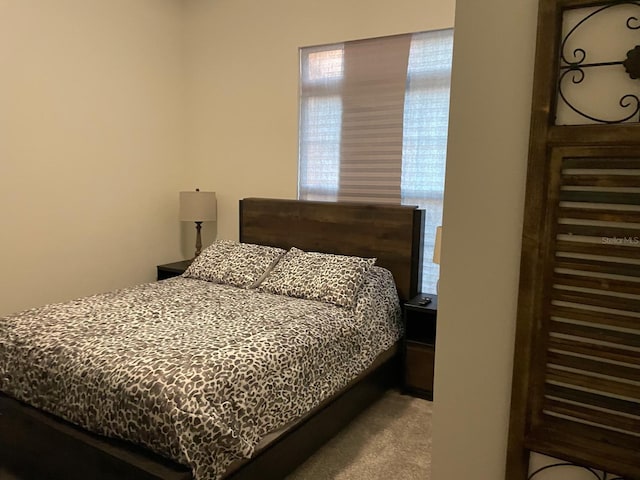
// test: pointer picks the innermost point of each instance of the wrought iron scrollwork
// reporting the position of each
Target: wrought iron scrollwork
(574, 69)
(560, 465)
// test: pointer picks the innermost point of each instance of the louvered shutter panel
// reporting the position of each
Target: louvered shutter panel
(586, 385)
(576, 383)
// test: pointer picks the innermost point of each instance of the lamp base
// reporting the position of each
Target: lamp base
(198, 239)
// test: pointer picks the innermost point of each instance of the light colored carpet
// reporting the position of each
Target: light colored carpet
(391, 439)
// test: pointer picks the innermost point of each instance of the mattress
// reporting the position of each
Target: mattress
(196, 371)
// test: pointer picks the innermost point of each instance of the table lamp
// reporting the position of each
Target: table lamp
(198, 207)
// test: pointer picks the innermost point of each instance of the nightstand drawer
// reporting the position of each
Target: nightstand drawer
(419, 362)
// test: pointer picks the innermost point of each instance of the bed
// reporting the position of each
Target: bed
(392, 234)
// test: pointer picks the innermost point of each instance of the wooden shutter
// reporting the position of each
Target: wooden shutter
(576, 383)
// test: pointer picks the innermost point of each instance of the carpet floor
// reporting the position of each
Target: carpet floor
(391, 439)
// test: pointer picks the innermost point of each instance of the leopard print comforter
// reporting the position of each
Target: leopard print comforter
(196, 371)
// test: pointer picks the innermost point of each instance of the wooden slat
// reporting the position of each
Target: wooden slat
(600, 334)
(599, 417)
(606, 301)
(597, 283)
(601, 214)
(598, 266)
(594, 366)
(595, 350)
(592, 135)
(602, 449)
(621, 235)
(586, 437)
(601, 162)
(598, 318)
(594, 399)
(624, 198)
(604, 385)
(605, 250)
(602, 180)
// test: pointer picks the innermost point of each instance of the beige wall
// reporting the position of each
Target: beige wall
(483, 210)
(242, 59)
(91, 145)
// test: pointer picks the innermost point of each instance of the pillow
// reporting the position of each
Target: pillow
(318, 276)
(242, 265)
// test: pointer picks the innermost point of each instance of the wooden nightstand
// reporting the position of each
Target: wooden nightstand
(169, 270)
(420, 345)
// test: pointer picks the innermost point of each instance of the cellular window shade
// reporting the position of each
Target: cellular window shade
(373, 125)
(375, 77)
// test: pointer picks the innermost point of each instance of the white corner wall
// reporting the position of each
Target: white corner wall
(492, 80)
(91, 145)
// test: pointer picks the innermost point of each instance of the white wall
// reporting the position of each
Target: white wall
(91, 145)
(483, 210)
(242, 59)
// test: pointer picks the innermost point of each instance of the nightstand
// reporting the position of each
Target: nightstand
(420, 345)
(169, 270)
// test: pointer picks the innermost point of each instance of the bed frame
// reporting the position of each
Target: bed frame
(35, 445)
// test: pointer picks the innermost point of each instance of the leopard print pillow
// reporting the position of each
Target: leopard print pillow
(318, 276)
(242, 265)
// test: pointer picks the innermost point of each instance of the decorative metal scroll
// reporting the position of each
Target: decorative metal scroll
(573, 72)
(561, 466)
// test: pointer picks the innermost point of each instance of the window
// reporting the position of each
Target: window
(373, 125)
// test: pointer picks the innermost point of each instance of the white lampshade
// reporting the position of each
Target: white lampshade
(198, 206)
(436, 247)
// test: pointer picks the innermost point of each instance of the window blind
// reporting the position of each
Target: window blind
(372, 117)
(373, 125)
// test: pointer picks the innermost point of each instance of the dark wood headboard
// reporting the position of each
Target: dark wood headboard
(391, 233)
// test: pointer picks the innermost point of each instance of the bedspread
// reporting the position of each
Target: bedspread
(195, 371)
